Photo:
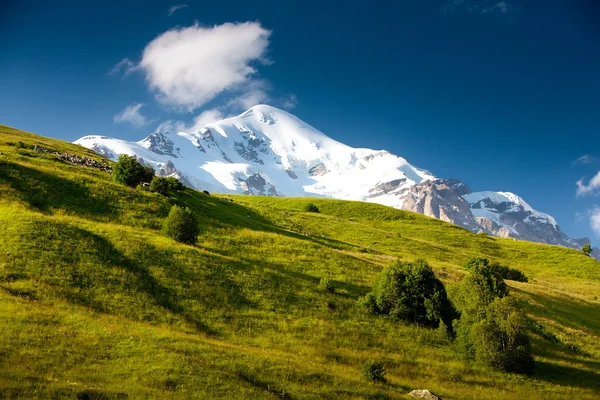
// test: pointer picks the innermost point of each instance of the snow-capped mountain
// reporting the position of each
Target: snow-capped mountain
(267, 151)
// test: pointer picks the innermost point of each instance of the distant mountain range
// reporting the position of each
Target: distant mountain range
(268, 151)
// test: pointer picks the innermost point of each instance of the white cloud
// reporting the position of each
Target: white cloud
(132, 115)
(188, 67)
(176, 7)
(595, 220)
(204, 118)
(585, 159)
(125, 65)
(592, 187)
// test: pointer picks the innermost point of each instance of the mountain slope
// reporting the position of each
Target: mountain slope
(96, 303)
(267, 151)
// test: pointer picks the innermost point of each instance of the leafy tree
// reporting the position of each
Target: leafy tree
(500, 339)
(411, 292)
(128, 171)
(586, 249)
(181, 225)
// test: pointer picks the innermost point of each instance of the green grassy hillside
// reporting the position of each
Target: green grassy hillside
(96, 303)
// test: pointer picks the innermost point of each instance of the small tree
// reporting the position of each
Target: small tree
(411, 292)
(181, 225)
(128, 171)
(491, 328)
(586, 249)
(500, 339)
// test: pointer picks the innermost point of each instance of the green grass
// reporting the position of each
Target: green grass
(96, 302)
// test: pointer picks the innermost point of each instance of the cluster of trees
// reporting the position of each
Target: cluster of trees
(482, 318)
(130, 172)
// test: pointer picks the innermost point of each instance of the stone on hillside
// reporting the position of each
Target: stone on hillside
(423, 394)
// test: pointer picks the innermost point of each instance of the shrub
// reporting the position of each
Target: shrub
(327, 286)
(411, 292)
(374, 371)
(500, 339)
(181, 225)
(311, 207)
(128, 171)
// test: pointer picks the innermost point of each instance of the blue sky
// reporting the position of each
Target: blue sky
(504, 95)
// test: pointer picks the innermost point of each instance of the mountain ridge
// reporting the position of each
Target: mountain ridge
(267, 151)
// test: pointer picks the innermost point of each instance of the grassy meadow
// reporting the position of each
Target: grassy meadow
(96, 303)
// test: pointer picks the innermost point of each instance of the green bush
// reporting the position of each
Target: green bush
(128, 171)
(327, 286)
(411, 292)
(374, 371)
(181, 225)
(311, 207)
(500, 339)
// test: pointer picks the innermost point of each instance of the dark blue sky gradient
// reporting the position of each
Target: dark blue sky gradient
(502, 101)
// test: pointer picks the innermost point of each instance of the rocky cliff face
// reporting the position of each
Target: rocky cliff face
(266, 151)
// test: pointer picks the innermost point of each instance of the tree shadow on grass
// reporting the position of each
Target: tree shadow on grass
(44, 191)
(566, 376)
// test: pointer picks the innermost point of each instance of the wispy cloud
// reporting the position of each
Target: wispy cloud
(132, 115)
(290, 102)
(585, 159)
(592, 187)
(200, 121)
(176, 7)
(125, 65)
